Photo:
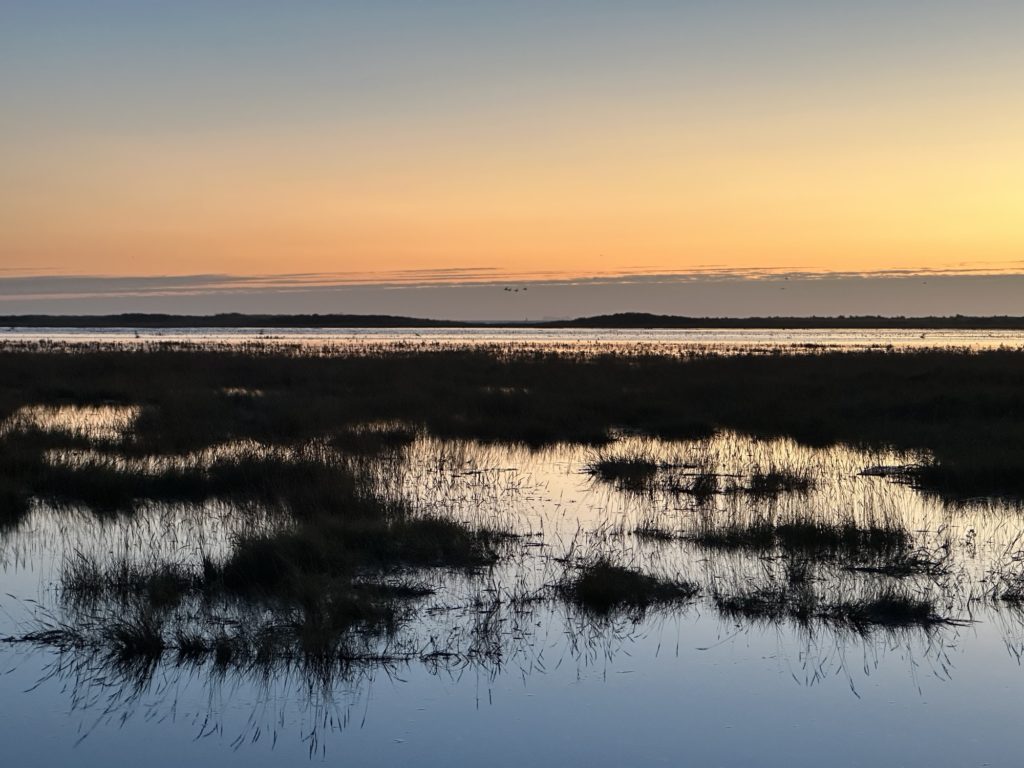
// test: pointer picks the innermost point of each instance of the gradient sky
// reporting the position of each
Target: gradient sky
(521, 140)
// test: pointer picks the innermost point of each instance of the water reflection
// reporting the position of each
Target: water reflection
(577, 341)
(503, 627)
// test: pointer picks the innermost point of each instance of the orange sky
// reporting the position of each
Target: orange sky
(906, 154)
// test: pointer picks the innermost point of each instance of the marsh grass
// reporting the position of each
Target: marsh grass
(336, 548)
(821, 538)
(1006, 579)
(964, 409)
(601, 586)
(332, 570)
(302, 482)
(881, 546)
(339, 568)
(795, 593)
(632, 472)
(887, 608)
(772, 482)
(86, 581)
(641, 471)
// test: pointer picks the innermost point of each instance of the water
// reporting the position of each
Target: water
(645, 341)
(677, 686)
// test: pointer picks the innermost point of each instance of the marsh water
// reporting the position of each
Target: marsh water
(648, 341)
(492, 673)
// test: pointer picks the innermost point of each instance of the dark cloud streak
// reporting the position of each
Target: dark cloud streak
(479, 294)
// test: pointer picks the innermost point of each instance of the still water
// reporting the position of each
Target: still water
(596, 340)
(680, 686)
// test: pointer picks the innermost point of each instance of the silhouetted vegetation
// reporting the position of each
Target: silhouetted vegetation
(822, 538)
(330, 566)
(634, 472)
(602, 586)
(795, 595)
(776, 481)
(966, 410)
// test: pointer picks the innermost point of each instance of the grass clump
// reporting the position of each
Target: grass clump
(888, 608)
(374, 439)
(602, 587)
(792, 595)
(774, 482)
(878, 546)
(823, 538)
(85, 581)
(634, 472)
(339, 549)
(701, 485)
(137, 638)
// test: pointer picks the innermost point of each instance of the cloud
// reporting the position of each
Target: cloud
(479, 294)
(22, 287)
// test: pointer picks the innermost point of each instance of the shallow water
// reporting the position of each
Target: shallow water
(677, 686)
(573, 340)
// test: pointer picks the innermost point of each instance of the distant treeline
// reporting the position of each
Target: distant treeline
(622, 320)
(645, 320)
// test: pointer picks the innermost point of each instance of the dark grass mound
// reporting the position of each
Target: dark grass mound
(793, 594)
(878, 547)
(642, 473)
(337, 563)
(603, 587)
(88, 582)
(332, 549)
(303, 483)
(887, 609)
(816, 537)
(778, 481)
(635, 472)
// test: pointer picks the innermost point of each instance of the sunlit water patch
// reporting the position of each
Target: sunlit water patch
(575, 341)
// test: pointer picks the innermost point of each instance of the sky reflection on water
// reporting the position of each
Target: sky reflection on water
(326, 340)
(680, 686)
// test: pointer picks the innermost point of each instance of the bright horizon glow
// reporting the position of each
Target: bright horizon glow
(529, 140)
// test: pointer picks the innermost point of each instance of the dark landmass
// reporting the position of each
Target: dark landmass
(636, 320)
(646, 320)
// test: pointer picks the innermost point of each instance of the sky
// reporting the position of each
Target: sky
(417, 157)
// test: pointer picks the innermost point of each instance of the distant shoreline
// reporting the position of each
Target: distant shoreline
(631, 320)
